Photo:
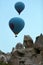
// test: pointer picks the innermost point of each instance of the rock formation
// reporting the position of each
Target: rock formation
(27, 42)
(28, 53)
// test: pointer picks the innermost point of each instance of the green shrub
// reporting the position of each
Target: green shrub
(2, 63)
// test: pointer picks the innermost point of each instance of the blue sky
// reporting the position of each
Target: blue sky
(32, 16)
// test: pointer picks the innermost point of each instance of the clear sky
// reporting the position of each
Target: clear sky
(32, 16)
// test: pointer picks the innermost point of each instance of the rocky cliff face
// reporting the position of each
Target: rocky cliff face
(28, 53)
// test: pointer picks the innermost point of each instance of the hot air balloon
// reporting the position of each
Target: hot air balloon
(19, 6)
(16, 25)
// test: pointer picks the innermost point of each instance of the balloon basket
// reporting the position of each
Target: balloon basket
(15, 35)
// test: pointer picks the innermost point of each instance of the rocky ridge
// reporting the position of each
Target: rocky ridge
(28, 53)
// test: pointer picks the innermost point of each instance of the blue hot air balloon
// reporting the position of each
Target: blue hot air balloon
(19, 6)
(16, 25)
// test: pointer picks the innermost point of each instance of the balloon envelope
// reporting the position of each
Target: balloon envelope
(19, 6)
(16, 25)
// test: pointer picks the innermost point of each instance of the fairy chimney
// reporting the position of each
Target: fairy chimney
(27, 42)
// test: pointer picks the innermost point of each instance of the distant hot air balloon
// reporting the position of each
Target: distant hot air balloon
(19, 6)
(16, 25)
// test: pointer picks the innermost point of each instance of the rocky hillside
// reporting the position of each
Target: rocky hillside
(26, 53)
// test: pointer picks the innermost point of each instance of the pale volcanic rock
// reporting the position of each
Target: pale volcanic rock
(28, 53)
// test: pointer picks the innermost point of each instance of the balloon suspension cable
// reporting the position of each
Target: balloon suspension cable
(19, 13)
